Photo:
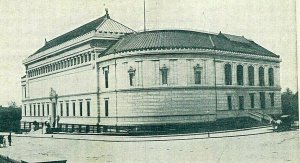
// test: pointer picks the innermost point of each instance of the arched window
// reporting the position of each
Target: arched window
(271, 76)
(261, 76)
(251, 75)
(228, 74)
(240, 75)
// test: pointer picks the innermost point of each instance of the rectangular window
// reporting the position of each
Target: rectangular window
(30, 111)
(272, 99)
(38, 110)
(80, 108)
(43, 109)
(34, 110)
(48, 110)
(106, 78)
(24, 110)
(67, 109)
(131, 75)
(164, 76)
(229, 103)
(262, 100)
(241, 102)
(61, 109)
(25, 92)
(74, 107)
(88, 108)
(197, 77)
(252, 100)
(106, 108)
(90, 57)
(228, 74)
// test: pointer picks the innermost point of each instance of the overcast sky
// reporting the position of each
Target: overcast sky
(24, 24)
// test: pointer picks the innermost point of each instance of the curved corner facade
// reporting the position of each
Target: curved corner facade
(123, 78)
(185, 86)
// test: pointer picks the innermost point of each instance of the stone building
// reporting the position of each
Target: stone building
(105, 74)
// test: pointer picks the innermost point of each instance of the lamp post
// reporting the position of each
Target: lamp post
(53, 97)
(208, 134)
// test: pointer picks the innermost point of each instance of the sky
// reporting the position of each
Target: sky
(24, 25)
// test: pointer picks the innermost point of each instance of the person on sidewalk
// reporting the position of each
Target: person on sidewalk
(9, 139)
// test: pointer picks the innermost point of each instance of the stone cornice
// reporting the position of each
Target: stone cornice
(198, 87)
(62, 96)
(209, 52)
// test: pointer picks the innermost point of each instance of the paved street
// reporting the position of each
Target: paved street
(261, 146)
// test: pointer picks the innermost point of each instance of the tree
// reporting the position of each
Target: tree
(289, 103)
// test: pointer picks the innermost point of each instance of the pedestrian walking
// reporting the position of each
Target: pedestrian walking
(9, 139)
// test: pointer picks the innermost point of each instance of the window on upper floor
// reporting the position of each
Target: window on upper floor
(38, 110)
(271, 76)
(228, 74)
(81, 58)
(106, 78)
(131, 73)
(88, 108)
(48, 109)
(30, 111)
(34, 113)
(74, 109)
(261, 76)
(240, 75)
(251, 75)
(80, 108)
(90, 56)
(164, 74)
(197, 74)
(43, 109)
(61, 109)
(67, 109)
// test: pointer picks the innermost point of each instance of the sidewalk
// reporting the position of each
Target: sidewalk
(256, 145)
(114, 138)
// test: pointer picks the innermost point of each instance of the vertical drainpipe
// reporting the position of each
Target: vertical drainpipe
(98, 88)
(215, 72)
(216, 96)
(116, 92)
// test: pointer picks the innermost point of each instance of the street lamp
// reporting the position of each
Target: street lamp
(208, 134)
(53, 96)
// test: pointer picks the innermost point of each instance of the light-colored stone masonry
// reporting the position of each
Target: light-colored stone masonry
(149, 101)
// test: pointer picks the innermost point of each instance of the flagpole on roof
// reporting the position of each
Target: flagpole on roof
(144, 15)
